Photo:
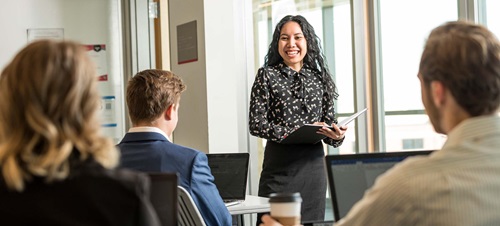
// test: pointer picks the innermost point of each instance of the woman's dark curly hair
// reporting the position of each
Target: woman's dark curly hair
(314, 57)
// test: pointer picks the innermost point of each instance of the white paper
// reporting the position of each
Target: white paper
(45, 33)
(350, 118)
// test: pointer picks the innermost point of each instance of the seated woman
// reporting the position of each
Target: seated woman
(55, 166)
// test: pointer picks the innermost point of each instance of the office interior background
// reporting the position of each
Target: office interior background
(372, 49)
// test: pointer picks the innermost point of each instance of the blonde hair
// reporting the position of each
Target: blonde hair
(48, 111)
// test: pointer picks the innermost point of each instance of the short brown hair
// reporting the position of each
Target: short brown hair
(150, 93)
(465, 57)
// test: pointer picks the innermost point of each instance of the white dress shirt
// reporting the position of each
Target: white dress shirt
(148, 129)
(457, 185)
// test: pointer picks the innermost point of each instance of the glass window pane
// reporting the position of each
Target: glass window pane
(343, 69)
(404, 27)
(340, 63)
(492, 16)
(410, 133)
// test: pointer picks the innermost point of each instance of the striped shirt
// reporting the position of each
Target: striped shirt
(457, 185)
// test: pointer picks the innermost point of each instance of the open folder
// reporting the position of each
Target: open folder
(306, 134)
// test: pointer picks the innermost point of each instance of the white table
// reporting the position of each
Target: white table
(252, 204)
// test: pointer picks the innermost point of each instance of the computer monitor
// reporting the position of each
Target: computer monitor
(349, 176)
(230, 171)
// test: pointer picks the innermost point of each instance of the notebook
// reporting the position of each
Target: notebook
(230, 171)
(307, 134)
(163, 196)
(350, 175)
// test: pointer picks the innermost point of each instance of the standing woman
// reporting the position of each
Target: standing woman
(293, 88)
(55, 165)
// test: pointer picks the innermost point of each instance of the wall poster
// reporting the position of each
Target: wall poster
(97, 53)
(187, 43)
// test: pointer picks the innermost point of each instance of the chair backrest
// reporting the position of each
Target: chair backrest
(164, 197)
(188, 214)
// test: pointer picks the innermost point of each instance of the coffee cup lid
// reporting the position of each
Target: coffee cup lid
(285, 197)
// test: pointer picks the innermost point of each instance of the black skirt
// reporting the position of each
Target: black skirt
(296, 168)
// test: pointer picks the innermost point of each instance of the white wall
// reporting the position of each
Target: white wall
(88, 22)
(213, 109)
(192, 128)
(226, 58)
(230, 73)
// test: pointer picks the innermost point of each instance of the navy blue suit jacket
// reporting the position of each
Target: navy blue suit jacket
(152, 152)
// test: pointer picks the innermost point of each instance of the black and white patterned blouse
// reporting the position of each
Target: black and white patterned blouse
(282, 100)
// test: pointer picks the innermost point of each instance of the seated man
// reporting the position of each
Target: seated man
(153, 101)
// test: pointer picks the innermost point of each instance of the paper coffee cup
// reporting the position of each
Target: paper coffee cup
(285, 208)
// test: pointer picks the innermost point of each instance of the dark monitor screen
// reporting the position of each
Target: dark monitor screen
(349, 176)
(230, 172)
(163, 196)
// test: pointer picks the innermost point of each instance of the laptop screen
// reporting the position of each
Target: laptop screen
(163, 196)
(349, 176)
(230, 171)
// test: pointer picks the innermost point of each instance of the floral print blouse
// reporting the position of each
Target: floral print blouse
(282, 100)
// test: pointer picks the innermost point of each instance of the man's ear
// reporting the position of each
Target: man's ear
(438, 92)
(168, 113)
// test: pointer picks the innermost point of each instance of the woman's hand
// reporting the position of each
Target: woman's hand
(337, 133)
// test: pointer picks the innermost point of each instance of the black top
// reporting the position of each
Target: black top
(91, 195)
(282, 100)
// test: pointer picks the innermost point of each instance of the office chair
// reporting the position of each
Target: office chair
(188, 214)
(164, 197)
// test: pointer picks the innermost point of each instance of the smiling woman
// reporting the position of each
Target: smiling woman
(293, 88)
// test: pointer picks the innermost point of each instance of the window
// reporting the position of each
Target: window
(409, 144)
(339, 55)
(404, 26)
(489, 16)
